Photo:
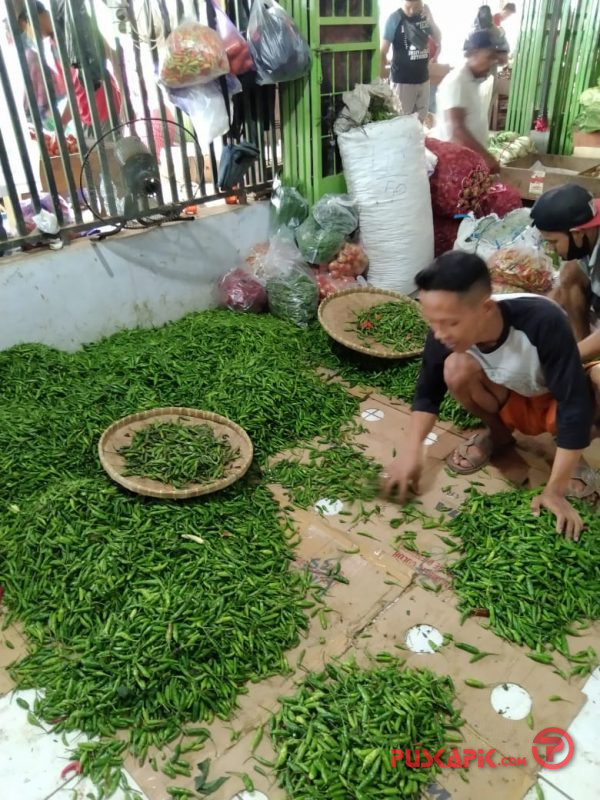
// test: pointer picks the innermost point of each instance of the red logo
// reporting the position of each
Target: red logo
(554, 739)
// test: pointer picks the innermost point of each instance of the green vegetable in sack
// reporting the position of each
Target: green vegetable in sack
(589, 118)
(294, 296)
(318, 245)
(292, 208)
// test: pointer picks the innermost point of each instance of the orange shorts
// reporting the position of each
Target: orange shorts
(532, 415)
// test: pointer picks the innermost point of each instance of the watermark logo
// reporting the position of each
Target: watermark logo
(555, 740)
(547, 744)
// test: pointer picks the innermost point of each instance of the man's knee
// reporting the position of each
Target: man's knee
(460, 370)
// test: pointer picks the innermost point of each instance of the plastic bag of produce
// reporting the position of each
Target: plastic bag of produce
(328, 284)
(276, 45)
(486, 235)
(291, 208)
(193, 54)
(318, 245)
(461, 179)
(294, 295)
(43, 222)
(501, 199)
(255, 261)
(349, 262)
(236, 47)
(291, 285)
(589, 118)
(527, 270)
(336, 211)
(241, 291)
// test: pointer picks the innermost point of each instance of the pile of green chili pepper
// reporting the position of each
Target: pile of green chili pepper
(334, 737)
(399, 326)
(395, 379)
(178, 454)
(536, 586)
(340, 472)
(127, 602)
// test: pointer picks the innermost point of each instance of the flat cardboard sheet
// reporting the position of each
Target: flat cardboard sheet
(384, 598)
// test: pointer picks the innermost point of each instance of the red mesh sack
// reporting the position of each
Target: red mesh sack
(240, 291)
(445, 230)
(461, 179)
(500, 200)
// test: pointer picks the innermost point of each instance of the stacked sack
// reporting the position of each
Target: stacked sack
(513, 249)
(462, 184)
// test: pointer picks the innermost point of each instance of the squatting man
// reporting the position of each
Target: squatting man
(514, 363)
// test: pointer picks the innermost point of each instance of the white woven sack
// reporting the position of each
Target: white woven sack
(386, 173)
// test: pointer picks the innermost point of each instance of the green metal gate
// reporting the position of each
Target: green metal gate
(344, 40)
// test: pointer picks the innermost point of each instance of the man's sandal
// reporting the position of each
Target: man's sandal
(484, 442)
(590, 478)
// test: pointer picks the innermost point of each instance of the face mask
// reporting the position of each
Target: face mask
(578, 251)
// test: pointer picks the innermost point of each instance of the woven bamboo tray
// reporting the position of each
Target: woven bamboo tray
(336, 315)
(120, 433)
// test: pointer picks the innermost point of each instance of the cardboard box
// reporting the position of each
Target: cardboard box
(531, 183)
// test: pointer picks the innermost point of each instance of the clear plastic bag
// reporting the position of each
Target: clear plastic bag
(291, 285)
(318, 245)
(294, 295)
(276, 45)
(236, 47)
(292, 209)
(336, 211)
(205, 106)
(350, 261)
(527, 270)
(241, 291)
(193, 54)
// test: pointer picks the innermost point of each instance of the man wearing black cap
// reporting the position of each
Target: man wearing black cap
(568, 218)
(462, 115)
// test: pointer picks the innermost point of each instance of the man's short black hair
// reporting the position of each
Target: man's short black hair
(455, 272)
(510, 7)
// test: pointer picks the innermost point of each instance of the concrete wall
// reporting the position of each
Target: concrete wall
(89, 290)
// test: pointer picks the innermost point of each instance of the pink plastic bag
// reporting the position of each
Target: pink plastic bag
(236, 47)
(240, 291)
(192, 54)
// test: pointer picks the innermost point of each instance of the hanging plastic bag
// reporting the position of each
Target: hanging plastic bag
(276, 45)
(291, 208)
(241, 291)
(318, 245)
(336, 211)
(205, 106)
(236, 47)
(236, 160)
(193, 54)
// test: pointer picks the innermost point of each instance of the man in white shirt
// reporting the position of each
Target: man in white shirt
(462, 115)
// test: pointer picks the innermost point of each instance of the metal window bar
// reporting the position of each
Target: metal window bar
(60, 175)
(35, 115)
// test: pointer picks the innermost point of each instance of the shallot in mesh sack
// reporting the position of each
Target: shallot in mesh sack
(461, 179)
(500, 200)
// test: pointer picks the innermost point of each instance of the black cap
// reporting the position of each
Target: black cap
(564, 208)
(480, 40)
